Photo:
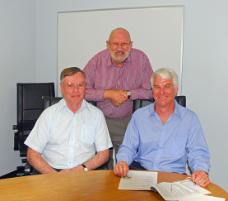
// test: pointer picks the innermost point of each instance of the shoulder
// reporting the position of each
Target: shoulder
(186, 113)
(137, 52)
(53, 109)
(102, 54)
(93, 109)
(140, 59)
(99, 59)
(143, 112)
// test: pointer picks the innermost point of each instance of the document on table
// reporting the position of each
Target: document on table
(180, 190)
(138, 180)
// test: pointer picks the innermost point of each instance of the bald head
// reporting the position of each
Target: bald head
(119, 31)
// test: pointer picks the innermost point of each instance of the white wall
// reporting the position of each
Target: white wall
(17, 64)
(205, 76)
(30, 29)
(204, 63)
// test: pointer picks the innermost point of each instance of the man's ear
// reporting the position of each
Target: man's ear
(107, 43)
(61, 87)
(131, 44)
(176, 91)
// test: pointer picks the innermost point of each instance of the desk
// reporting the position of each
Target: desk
(99, 185)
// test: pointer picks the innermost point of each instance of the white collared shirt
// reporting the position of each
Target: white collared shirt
(66, 139)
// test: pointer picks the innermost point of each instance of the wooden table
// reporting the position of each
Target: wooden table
(87, 186)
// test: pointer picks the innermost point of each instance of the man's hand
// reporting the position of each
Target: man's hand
(116, 96)
(201, 178)
(121, 169)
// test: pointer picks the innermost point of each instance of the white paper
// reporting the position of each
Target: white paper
(138, 180)
(180, 190)
(203, 198)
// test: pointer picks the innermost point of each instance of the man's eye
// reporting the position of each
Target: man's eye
(168, 86)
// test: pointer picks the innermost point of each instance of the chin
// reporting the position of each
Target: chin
(119, 59)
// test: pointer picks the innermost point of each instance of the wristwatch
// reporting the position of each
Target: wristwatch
(84, 167)
(129, 94)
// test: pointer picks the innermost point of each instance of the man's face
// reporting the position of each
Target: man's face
(73, 89)
(164, 91)
(119, 46)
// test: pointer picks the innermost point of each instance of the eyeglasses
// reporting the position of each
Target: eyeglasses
(115, 45)
(74, 85)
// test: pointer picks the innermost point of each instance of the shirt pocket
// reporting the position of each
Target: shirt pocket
(176, 149)
(87, 135)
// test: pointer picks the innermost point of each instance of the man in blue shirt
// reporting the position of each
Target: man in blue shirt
(165, 136)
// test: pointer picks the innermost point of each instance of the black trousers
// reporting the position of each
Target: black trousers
(136, 166)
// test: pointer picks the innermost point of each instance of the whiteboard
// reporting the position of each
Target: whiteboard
(158, 31)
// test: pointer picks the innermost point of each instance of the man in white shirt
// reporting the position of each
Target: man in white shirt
(71, 135)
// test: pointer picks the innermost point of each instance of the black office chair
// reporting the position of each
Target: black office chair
(29, 107)
(49, 100)
(138, 103)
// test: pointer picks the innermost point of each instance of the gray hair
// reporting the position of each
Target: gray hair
(165, 73)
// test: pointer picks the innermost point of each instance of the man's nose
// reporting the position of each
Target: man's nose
(119, 47)
(162, 90)
(76, 87)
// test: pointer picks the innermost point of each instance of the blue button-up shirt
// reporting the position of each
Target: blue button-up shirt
(165, 147)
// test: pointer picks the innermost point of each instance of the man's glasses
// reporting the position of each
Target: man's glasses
(122, 45)
(74, 85)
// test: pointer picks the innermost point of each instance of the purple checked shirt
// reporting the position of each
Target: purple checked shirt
(134, 76)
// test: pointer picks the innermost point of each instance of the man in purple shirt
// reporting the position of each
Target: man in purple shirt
(115, 77)
(118, 75)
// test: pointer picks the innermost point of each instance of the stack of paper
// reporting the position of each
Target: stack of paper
(138, 180)
(184, 190)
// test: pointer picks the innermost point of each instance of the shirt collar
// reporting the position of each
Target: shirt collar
(176, 112)
(84, 105)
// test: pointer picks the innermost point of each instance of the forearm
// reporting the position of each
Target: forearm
(141, 93)
(94, 94)
(36, 161)
(99, 159)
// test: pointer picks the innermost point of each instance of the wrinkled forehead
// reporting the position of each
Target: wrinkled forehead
(75, 78)
(160, 79)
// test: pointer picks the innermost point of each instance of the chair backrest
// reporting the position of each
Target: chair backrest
(138, 103)
(48, 101)
(29, 108)
(30, 103)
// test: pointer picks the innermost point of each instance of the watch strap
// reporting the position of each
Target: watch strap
(84, 167)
